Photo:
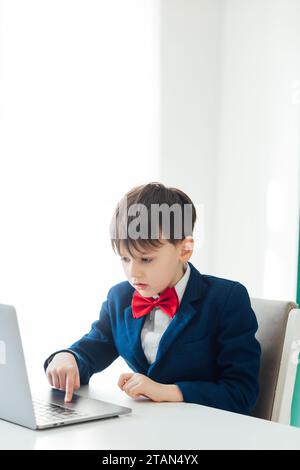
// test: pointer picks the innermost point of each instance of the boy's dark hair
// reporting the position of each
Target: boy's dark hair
(151, 195)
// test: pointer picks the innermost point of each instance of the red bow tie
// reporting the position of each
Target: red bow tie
(167, 301)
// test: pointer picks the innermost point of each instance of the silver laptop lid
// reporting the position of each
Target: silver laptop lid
(15, 396)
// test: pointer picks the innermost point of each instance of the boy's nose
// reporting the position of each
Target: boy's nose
(135, 272)
(136, 276)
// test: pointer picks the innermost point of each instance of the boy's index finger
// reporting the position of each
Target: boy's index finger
(69, 387)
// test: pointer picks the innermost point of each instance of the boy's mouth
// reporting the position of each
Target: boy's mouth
(141, 286)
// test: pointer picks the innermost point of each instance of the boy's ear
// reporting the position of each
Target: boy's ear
(187, 247)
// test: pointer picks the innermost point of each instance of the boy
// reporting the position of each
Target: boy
(187, 336)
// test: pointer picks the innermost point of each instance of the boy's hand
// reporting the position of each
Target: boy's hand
(137, 385)
(63, 373)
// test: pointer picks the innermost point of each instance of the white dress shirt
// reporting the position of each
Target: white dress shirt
(157, 321)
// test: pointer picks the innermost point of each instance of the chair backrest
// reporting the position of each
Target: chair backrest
(272, 317)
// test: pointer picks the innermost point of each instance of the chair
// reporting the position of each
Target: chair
(279, 337)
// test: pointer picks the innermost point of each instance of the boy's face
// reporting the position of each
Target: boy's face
(157, 268)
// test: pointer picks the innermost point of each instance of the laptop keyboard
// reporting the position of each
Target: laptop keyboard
(48, 412)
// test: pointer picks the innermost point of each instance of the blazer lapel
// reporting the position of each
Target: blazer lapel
(134, 328)
(185, 313)
(194, 291)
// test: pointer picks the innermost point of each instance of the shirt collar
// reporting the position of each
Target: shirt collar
(181, 284)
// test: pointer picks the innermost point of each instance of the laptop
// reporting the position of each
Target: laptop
(49, 410)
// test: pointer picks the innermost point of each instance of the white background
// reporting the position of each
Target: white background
(79, 127)
(99, 96)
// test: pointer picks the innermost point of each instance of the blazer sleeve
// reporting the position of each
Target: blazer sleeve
(96, 350)
(238, 359)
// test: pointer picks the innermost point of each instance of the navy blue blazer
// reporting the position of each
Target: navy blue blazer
(209, 349)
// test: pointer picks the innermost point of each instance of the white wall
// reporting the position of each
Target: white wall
(190, 88)
(92, 95)
(259, 152)
(230, 133)
(79, 127)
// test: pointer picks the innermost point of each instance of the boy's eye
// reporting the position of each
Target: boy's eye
(144, 260)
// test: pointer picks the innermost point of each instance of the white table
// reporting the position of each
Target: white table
(153, 426)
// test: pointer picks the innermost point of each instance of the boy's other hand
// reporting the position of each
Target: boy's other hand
(138, 385)
(63, 373)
